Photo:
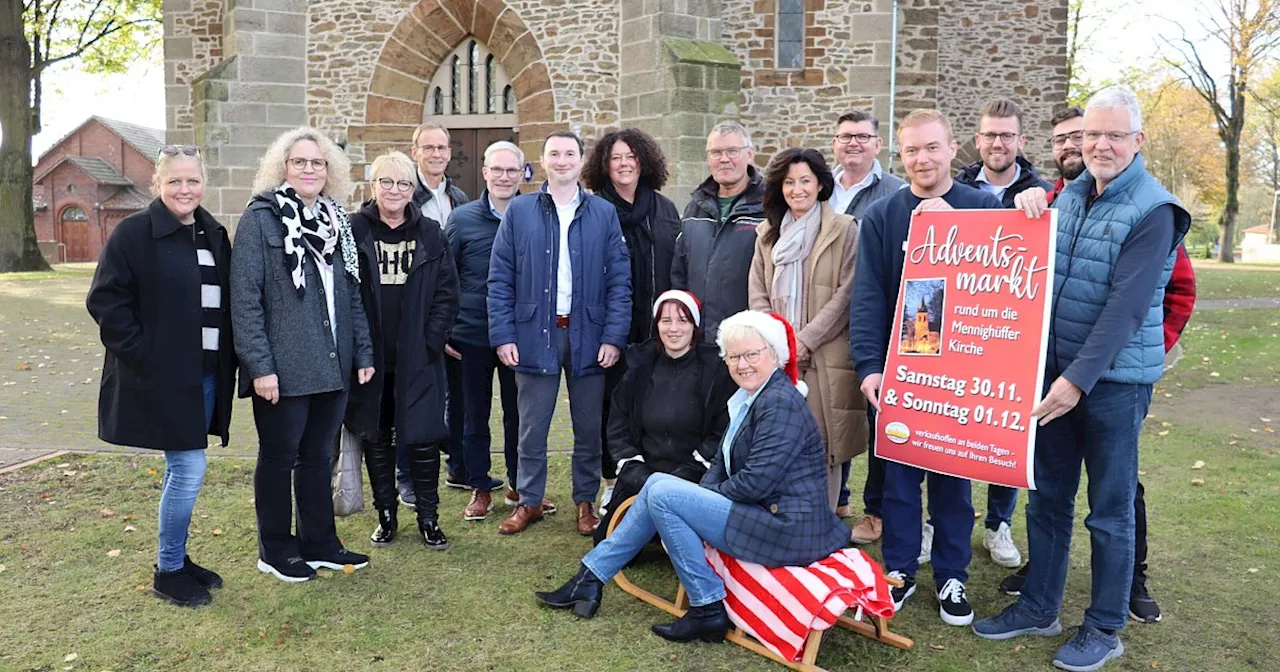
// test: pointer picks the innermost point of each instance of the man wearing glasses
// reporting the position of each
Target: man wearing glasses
(718, 231)
(860, 181)
(470, 231)
(1002, 170)
(436, 196)
(1118, 235)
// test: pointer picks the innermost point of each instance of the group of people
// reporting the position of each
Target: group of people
(722, 366)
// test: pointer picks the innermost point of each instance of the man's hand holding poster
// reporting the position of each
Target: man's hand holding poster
(966, 356)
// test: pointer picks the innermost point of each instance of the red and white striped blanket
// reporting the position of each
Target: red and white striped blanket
(780, 606)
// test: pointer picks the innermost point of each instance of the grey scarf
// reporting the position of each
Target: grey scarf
(795, 243)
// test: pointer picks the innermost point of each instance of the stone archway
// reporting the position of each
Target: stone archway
(425, 36)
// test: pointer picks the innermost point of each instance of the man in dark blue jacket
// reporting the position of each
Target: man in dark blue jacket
(927, 147)
(559, 298)
(471, 230)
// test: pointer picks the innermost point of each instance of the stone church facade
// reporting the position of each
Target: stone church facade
(366, 72)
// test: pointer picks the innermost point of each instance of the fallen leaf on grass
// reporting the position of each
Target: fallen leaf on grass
(324, 573)
(1142, 473)
(64, 465)
(152, 472)
(71, 472)
(2, 568)
(1197, 481)
(70, 657)
(140, 587)
(1253, 570)
(130, 528)
(1166, 424)
(113, 553)
(1214, 374)
(128, 516)
(1199, 464)
(1232, 442)
(1163, 433)
(108, 513)
(217, 532)
(1265, 419)
(24, 366)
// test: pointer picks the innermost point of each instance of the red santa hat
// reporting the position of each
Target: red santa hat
(777, 332)
(789, 367)
(688, 300)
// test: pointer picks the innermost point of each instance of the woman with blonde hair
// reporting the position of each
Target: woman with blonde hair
(803, 270)
(159, 296)
(301, 332)
(409, 288)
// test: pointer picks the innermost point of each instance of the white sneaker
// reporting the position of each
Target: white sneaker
(604, 500)
(1000, 543)
(926, 544)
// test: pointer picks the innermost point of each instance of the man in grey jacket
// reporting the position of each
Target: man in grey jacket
(860, 181)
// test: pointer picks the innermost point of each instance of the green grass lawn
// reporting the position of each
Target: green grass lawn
(1221, 281)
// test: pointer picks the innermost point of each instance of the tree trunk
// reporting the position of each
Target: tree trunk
(1227, 223)
(18, 248)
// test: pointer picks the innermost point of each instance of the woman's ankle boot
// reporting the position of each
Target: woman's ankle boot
(582, 594)
(385, 533)
(708, 623)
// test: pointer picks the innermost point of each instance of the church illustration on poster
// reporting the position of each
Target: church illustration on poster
(923, 306)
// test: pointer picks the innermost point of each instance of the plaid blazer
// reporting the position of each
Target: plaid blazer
(780, 516)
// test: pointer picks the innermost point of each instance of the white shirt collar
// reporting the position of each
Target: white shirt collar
(1017, 173)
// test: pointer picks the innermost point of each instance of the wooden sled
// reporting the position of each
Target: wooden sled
(876, 628)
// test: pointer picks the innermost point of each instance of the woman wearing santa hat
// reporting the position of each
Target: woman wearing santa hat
(669, 408)
(764, 499)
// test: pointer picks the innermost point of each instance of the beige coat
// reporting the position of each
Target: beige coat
(834, 398)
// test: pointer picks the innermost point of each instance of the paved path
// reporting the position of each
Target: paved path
(1238, 304)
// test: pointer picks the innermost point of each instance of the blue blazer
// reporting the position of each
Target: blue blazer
(522, 283)
(778, 483)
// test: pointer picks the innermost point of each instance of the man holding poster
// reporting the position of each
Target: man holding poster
(927, 147)
(1116, 251)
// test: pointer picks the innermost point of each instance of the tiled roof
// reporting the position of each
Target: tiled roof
(1263, 228)
(100, 170)
(148, 141)
(127, 198)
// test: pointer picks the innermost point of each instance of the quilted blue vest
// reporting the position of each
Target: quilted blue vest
(1088, 244)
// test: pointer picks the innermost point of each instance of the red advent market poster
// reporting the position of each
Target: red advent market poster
(966, 354)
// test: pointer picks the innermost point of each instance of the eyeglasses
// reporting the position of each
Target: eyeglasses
(1061, 139)
(174, 150)
(846, 138)
(1112, 136)
(318, 165)
(400, 185)
(989, 138)
(749, 356)
(434, 149)
(731, 152)
(504, 172)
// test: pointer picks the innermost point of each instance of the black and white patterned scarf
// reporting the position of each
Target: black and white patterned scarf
(314, 229)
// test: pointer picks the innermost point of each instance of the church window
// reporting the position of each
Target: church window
(789, 34)
(508, 100)
(471, 88)
(473, 62)
(437, 101)
(455, 106)
(488, 84)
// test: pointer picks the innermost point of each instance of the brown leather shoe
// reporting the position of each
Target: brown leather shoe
(512, 498)
(587, 520)
(520, 519)
(867, 530)
(479, 507)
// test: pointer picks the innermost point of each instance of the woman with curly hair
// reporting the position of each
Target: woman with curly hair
(803, 270)
(627, 169)
(300, 332)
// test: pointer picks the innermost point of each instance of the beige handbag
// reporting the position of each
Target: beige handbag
(348, 481)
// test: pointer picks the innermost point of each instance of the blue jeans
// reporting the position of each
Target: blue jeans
(1102, 432)
(183, 476)
(950, 509)
(685, 515)
(1001, 501)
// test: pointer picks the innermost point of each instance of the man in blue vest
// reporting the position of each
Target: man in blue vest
(1118, 230)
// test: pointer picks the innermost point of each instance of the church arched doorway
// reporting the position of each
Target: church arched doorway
(471, 95)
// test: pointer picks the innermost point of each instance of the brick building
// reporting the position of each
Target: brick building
(88, 181)
(367, 71)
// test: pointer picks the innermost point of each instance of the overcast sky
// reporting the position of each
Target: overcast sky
(1125, 36)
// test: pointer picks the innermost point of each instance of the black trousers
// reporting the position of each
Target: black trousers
(380, 461)
(612, 376)
(1140, 537)
(295, 450)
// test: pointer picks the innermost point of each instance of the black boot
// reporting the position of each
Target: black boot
(380, 462)
(582, 593)
(432, 535)
(180, 588)
(708, 623)
(424, 470)
(385, 533)
(205, 577)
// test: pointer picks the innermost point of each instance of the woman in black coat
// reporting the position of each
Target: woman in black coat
(627, 169)
(669, 410)
(410, 291)
(160, 297)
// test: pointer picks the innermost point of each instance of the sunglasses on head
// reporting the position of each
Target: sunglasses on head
(174, 150)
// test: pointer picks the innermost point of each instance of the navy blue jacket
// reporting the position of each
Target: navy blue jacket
(470, 231)
(878, 271)
(968, 176)
(778, 483)
(522, 283)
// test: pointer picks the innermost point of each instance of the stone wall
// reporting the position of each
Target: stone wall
(192, 45)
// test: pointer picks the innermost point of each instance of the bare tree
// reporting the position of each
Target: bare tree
(1249, 31)
(35, 35)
